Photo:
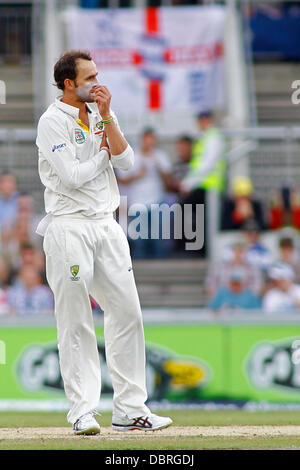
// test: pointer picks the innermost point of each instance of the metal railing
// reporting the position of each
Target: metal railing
(18, 155)
(273, 154)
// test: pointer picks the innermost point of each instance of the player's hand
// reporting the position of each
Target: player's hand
(104, 144)
(102, 97)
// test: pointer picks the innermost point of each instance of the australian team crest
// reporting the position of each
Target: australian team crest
(79, 136)
(74, 271)
(100, 125)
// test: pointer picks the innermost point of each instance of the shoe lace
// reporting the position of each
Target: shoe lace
(142, 421)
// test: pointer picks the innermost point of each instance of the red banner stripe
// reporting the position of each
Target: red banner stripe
(152, 22)
(154, 86)
(154, 94)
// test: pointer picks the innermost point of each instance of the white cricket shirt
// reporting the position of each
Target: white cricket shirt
(79, 179)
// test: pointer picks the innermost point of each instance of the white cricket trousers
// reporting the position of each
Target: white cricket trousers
(92, 257)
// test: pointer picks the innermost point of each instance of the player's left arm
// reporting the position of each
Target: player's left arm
(122, 155)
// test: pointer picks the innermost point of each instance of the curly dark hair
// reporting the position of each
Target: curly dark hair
(65, 67)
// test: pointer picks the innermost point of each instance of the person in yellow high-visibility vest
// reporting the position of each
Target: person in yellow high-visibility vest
(207, 167)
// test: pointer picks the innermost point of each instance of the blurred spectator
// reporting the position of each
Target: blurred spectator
(28, 295)
(285, 208)
(236, 295)
(8, 200)
(207, 165)
(146, 184)
(180, 168)
(289, 255)
(4, 307)
(241, 207)
(26, 212)
(284, 297)
(21, 232)
(257, 254)
(5, 274)
(207, 168)
(40, 263)
(220, 272)
(184, 145)
(29, 256)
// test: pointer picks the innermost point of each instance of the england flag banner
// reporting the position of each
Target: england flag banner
(168, 59)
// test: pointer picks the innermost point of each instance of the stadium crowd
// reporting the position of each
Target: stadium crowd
(247, 274)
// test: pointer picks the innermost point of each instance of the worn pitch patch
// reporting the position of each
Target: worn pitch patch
(172, 431)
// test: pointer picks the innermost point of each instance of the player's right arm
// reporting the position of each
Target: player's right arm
(55, 144)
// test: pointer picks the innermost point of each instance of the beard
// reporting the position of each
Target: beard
(83, 92)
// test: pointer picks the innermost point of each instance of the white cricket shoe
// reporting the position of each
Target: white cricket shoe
(143, 423)
(86, 424)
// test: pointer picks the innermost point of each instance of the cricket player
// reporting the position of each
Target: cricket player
(80, 142)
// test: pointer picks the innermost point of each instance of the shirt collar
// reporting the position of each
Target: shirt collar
(72, 110)
(67, 108)
(92, 107)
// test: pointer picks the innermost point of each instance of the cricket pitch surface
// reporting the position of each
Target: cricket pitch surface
(172, 431)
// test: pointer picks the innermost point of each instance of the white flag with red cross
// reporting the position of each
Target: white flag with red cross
(155, 59)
